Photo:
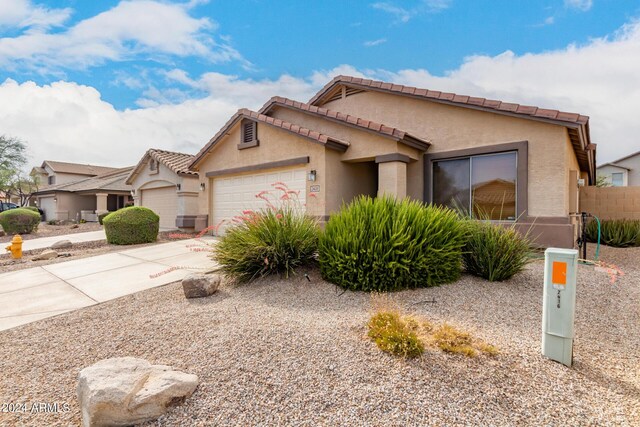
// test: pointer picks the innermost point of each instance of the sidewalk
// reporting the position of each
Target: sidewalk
(45, 242)
(41, 292)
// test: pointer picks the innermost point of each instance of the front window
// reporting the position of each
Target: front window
(51, 180)
(483, 186)
(616, 179)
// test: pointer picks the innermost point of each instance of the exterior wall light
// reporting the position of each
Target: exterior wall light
(312, 175)
(202, 186)
(178, 186)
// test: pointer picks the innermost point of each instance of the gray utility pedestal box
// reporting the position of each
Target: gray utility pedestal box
(559, 304)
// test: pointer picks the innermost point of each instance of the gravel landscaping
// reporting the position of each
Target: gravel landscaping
(295, 352)
(47, 230)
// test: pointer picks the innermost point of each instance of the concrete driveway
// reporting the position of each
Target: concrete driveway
(40, 292)
(45, 242)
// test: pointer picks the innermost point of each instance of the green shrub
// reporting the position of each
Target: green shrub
(267, 242)
(384, 244)
(20, 221)
(32, 208)
(102, 216)
(495, 252)
(620, 233)
(130, 226)
(394, 335)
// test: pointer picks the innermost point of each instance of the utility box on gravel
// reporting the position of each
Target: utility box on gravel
(559, 304)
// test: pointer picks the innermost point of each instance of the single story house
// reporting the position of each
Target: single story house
(85, 198)
(624, 172)
(162, 182)
(514, 163)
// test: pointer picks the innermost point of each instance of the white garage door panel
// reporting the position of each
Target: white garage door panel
(164, 202)
(232, 195)
(48, 205)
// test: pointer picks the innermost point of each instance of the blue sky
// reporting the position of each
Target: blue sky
(170, 73)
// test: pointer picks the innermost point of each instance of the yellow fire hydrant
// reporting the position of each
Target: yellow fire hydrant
(15, 247)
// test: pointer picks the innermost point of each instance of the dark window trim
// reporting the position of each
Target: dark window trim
(254, 142)
(522, 186)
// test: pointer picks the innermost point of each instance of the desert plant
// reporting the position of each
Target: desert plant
(130, 226)
(392, 334)
(268, 241)
(620, 233)
(385, 244)
(495, 252)
(20, 221)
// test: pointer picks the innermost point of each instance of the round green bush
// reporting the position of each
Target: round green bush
(20, 221)
(32, 208)
(495, 252)
(267, 242)
(130, 226)
(102, 216)
(385, 244)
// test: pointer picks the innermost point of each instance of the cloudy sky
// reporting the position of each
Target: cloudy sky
(101, 81)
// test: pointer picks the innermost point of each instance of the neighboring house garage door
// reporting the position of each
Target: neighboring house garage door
(164, 202)
(233, 194)
(48, 205)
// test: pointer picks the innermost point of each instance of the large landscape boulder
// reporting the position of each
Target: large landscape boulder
(125, 390)
(47, 254)
(200, 285)
(62, 244)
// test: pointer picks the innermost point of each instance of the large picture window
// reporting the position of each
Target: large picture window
(483, 185)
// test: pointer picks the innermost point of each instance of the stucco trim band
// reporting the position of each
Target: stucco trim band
(262, 166)
(393, 157)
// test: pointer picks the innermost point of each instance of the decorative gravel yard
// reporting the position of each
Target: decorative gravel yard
(295, 352)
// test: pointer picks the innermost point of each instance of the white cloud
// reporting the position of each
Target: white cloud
(147, 28)
(73, 123)
(404, 15)
(581, 5)
(437, 5)
(377, 42)
(400, 14)
(24, 14)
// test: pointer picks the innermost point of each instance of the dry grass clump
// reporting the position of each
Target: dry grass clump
(407, 336)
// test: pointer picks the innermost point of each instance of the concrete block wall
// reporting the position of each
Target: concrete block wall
(611, 202)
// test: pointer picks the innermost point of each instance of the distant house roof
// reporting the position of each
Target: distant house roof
(175, 162)
(577, 124)
(113, 181)
(77, 168)
(349, 120)
(614, 163)
(317, 137)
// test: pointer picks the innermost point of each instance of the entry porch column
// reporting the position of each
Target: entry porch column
(392, 175)
(101, 203)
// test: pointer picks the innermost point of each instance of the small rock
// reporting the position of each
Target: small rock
(200, 285)
(48, 254)
(2, 233)
(62, 244)
(74, 226)
(126, 390)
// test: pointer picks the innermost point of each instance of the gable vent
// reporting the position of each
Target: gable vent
(248, 132)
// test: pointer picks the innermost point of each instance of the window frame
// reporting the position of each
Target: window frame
(51, 180)
(519, 147)
(613, 183)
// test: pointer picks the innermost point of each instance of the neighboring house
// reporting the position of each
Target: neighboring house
(622, 172)
(162, 182)
(87, 197)
(56, 173)
(9, 198)
(360, 136)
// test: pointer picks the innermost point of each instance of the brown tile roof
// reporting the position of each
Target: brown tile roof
(113, 181)
(175, 162)
(451, 98)
(77, 168)
(348, 119)
(244, 113)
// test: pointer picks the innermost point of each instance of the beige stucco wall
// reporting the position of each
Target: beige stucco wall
(451, 128)
(69, 205)
(275, 145)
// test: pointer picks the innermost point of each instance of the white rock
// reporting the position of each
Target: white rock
(200, 285)
(48, 254)
(62, 244)
(126, 390)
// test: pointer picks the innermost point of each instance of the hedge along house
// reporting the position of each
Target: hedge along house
(85, 198)
(161, 182)
(515, 163)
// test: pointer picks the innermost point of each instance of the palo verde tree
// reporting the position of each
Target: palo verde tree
(12, 159)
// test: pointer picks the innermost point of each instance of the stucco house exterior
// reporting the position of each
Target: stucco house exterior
(85, 198)
(624, 172)
(358, 136)
(56, 173)
(162, 182)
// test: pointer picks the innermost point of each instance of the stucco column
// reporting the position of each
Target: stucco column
(101, 203)
(392, 175)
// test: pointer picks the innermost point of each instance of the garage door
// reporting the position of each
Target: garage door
(48, 205)
(164, 202)
(233, 194)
